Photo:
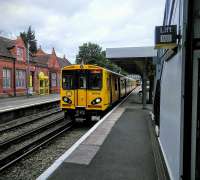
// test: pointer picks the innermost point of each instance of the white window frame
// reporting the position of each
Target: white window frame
(20, 78)
(6, 78)
(53, 79)
(20, 53)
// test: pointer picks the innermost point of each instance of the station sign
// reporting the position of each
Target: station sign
(165, 37)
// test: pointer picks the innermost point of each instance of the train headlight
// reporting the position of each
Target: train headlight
(96, 101)
(67, 100)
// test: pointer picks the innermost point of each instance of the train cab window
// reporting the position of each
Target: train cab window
(67, 82)
(82, 82)
(95, 80)
(67, 79)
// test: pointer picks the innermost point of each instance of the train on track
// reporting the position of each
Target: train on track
(88, 91)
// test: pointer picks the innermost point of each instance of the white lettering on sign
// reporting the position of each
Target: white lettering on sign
(165, 29)
(166, 38)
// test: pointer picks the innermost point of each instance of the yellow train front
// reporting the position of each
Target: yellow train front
(88, 90)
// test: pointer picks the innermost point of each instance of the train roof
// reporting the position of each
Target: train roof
(90, 66)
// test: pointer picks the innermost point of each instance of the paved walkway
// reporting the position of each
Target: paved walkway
(12, 103)
(119, 149)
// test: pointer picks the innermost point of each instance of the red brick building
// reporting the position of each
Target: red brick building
(17, 77)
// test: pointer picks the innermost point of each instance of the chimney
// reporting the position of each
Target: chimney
(53, 51)
(40, 52)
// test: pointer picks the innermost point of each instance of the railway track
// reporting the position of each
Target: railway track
(28, 120)
(13, 149)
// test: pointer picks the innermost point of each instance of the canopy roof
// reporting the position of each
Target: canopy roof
(131, 59)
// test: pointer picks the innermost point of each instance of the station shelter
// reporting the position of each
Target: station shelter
(139, 61)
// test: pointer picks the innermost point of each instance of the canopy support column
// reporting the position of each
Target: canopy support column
(144, 84)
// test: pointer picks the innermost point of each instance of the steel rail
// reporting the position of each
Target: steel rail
(24, 151)
(30, 121)
(24, 135)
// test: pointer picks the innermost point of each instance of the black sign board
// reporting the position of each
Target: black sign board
(165, 37)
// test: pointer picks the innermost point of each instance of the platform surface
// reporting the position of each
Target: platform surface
(119, 149)
(9, 104)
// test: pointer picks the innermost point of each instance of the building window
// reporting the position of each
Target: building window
(53, 79)
(58, 81)
(20, 78)
(6, 78)
(19, 54)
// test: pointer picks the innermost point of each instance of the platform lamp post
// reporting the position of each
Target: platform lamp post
(28, 73)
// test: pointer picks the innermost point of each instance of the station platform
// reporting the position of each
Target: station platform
(118, 147)
(14, 103)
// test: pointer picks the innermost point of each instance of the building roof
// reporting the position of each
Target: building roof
(130, 52)
(5, 44)
(40, 58)
(43, 60)
(63, 62)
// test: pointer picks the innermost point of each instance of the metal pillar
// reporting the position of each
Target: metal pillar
(144, 85)
(28, 70)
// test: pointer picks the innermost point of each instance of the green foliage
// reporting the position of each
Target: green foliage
(29, 36)
(90, 53)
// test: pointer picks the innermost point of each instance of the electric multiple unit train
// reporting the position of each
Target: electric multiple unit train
(89, 90)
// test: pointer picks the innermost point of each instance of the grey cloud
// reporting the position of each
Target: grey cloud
(66, 24)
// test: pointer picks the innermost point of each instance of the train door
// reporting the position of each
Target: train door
(82, 90)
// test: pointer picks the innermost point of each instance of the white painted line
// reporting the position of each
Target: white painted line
(28, 105)
(60, 160)
(166, 161)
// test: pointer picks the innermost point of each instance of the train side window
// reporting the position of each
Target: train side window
(115, 84)
(122, 84)
(108, 83)
(95, 80)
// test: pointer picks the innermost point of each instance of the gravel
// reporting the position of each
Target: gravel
(33, 165)
(18, 146)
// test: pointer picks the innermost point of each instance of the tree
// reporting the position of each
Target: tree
(90, 53)
(29, 36)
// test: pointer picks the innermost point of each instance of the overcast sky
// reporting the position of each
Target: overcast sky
(67, 24)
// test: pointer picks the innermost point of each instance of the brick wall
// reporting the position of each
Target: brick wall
(34, 69)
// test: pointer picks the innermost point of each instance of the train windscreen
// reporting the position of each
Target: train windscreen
(68, 79)
(91, 79)
(95, 79)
